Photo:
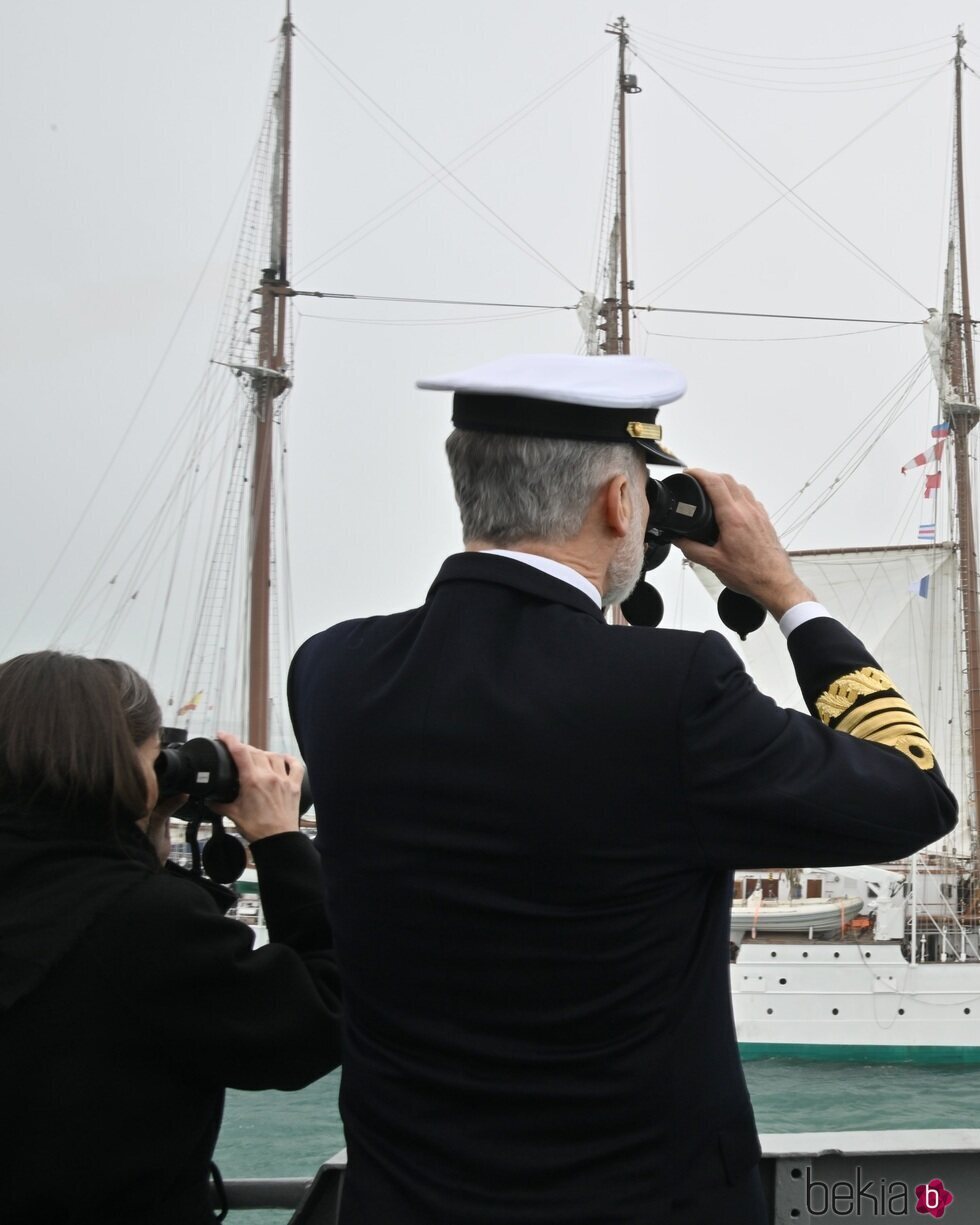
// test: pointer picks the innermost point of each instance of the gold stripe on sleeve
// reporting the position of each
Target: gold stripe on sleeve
(866, 705)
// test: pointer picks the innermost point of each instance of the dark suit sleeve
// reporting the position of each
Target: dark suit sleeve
(855, 782)
(246, 1018)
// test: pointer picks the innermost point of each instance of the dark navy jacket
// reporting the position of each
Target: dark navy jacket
(528, 821)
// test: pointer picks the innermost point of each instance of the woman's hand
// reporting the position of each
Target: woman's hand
(268, 790)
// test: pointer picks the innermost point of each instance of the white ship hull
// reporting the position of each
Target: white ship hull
(854, 1001)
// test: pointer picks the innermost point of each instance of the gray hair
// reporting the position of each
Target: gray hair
(511, 487)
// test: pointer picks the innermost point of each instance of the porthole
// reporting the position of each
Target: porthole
(901, 1012)
(768, 1012)
(835, 1011)
(796, 1173)
(867, 954)
(773, 953)
(806, 954)
(782, 982)
(837, 954)
(966, 1012)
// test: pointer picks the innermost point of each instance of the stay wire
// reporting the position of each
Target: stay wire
(523, 244)
(540, 306)
(100, 483)
(841, 84)
(808, 209)
(678, 276)
(915, 48)
(434, 179)
(889, 409)
(894, 82)
(888, 327)
(445, 321)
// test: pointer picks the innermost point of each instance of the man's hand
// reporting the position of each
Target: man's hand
(748, 556)
(268, 790)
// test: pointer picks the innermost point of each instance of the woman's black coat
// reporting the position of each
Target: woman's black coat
(128, 1003)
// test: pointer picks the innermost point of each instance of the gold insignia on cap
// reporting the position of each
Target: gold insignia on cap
(643, 429)
(866, 705)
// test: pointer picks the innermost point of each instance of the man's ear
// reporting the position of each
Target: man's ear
(617, 505)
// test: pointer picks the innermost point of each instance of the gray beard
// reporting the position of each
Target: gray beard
(626, 568)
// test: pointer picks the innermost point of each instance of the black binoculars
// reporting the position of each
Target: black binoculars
(204, 771)
(680, 509)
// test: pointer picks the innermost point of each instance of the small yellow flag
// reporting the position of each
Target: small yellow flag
(192, 704)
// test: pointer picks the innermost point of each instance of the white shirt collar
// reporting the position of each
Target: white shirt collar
(556, 569)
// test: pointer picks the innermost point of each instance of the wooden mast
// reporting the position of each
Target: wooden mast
(268, 383)
(960, 410)
(616, 311)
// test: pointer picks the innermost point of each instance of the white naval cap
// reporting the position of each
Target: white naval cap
(558, 395)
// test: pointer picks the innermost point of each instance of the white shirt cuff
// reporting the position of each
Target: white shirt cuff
(799, 614)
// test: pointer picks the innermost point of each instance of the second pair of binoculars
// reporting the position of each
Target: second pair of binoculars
(204, 771)
(680, 509)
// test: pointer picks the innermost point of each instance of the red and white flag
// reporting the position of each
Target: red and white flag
(932, 483)
(933, 455)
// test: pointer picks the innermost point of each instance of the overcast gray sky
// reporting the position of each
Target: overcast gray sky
(126, 129)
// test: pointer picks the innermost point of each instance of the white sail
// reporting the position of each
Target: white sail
(933, 332)
(901, 602)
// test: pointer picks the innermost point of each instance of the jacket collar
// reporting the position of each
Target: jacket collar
(507, 572)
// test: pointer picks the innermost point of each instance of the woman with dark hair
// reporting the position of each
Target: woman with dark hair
(128, 1002)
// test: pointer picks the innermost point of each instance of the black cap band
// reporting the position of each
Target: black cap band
(498, 414)
(532, 417)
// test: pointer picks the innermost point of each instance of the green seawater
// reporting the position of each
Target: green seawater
(279, 1135)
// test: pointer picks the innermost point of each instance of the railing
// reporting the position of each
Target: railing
(810, 1178)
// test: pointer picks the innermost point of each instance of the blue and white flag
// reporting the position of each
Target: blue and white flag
(920, 587)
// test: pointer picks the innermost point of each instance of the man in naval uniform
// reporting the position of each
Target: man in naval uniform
(529, 819)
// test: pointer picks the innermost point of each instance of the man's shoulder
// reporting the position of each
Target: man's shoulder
(347, 635)
(358, 627)
(687, 645)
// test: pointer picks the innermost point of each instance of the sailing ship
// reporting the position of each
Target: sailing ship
(906, 985)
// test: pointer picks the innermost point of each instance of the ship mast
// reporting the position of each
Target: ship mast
(615, 309)
(960, 411)
(269, 381)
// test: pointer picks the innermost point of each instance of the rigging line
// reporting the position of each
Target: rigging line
(904, 390)
(888, 327)
(199, 396)
(675, 279)
(433, 179)
(797, 200)
(366, 297)
(200, 439)
(177, 553)
(896, 392)
(898, 409)
(792, 89)
(419, 323)
(937, 42)
(145, 550)
(841, 84)
(99, 484)
(541, 306)
(529, 248)
(731, 64)
(683, 310)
